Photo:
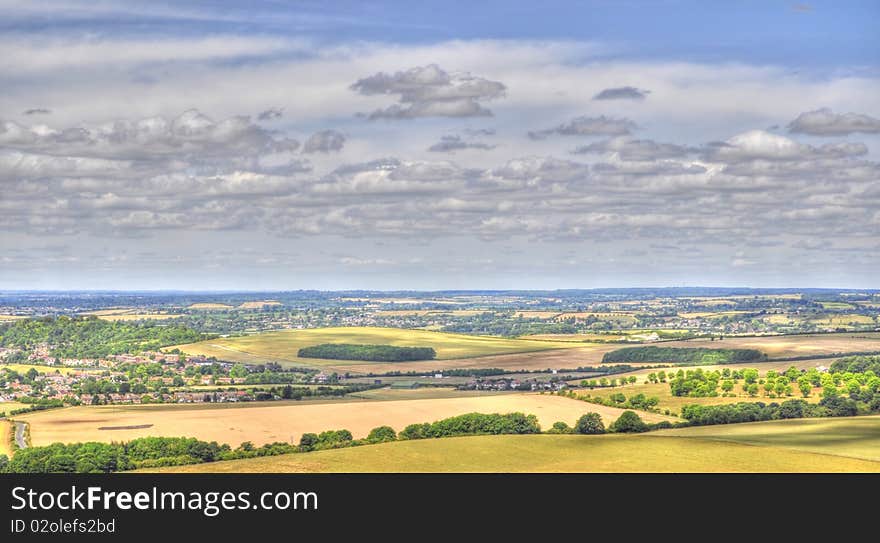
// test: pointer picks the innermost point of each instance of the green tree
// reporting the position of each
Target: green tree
(381, 434)
(805, 386)
(750, 375)
(307, 442)
(780, 388)
(591, 423)
(559, 427)
(829, 392)
(752, 389)
(727, 385)
(629, 422)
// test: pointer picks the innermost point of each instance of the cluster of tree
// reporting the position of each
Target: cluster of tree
(372, 353)
(331, 439)
(606, 382)
(108, 457)
(699, 383)
(701, 415)
(618, 399)
(90, 337)
(857, 364)
(474, 424)
(688, 356)
(627, 423)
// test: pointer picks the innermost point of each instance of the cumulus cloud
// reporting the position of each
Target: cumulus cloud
(450, 144)
(588, 126)
(622, 93)
(191, 134)
(429, 91)
(325, 141)
(824, 122)
(271, 114)
(761, 145)
(634, 149)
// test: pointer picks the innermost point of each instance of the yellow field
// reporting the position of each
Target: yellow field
(258, 304)
(209, 306)
(22, 368)
(575, 337)
(423, 393)
(777, 446)
(138, 316)
(710, 314)
(841, 320)
(787, 346)
(268, 422)
(125, 314)
(11, 317)
(5, 436)
(836, 305)
(537, 314)
(282, 346)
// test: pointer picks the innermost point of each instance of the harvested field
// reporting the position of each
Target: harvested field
(269, 422)
(259, 304)
(6, 432)
(209, 306)
(791, 346)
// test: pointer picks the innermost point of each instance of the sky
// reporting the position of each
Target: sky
(221, 145)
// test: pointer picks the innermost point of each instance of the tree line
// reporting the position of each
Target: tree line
(371, 353)
(686, 356)
(151, 452)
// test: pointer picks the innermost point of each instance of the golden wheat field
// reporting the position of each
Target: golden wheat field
(270, 422)
(5, 436)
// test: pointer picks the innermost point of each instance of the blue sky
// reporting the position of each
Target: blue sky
(278, 145)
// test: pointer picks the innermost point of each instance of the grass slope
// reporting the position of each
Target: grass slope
(856, 437)
(282, 346)
(794, 449)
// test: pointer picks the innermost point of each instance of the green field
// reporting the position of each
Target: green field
(821, 445)
(282, 346)
(855, 437)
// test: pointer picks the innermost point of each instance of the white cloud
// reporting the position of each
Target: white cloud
(824, 122)
(588, 126)
(429, 91)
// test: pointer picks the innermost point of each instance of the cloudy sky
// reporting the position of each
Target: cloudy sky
(268, 145)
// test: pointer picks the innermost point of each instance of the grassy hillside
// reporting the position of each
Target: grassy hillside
(283, 346)
(856, 437)
(832, 445)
